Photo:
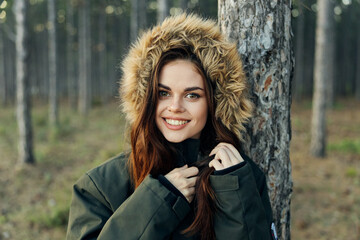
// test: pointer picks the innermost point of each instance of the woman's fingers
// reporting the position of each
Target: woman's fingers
(191, 171)
(184, 179)
(228, 146)
(233, 150)
(192, 181)
(216, 164)
(184, 171)
(226, 155)
(223, 155)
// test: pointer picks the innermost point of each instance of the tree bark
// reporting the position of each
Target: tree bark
(262, 31)
(84, 58)
(3, 87)
(321, 76)
(163, 10)
(53, 88)
(22, 84)
(70, 53)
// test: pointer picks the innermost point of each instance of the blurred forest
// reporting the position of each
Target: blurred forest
(109, 26)
(75, 49)
(112, 25)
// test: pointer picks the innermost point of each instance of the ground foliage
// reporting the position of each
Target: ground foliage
(326, 198)
(35, 199)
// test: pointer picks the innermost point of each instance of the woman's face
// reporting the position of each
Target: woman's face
(182, 108)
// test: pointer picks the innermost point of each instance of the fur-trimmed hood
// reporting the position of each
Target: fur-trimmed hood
(219, 58)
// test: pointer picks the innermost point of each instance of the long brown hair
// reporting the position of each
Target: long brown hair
(152, 154)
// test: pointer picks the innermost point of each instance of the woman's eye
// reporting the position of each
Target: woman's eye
(163, 94)
(192, 96)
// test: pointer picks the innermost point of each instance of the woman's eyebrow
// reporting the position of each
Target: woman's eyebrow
(164, 86)
(189, 89)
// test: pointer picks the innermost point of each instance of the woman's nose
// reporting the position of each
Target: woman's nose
(176, 105)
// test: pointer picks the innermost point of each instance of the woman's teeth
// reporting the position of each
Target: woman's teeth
(176, 122)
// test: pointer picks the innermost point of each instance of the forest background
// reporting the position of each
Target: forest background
(88, 128)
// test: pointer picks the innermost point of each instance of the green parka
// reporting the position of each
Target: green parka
(105, 204)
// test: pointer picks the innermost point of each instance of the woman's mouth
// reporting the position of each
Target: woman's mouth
(174, 122)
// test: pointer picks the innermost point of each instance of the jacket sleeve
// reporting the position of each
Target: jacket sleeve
(151, 212)
(244, 210)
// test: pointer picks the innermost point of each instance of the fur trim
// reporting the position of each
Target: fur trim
(220, 60)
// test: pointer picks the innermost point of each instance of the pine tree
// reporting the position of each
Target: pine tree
(262, 31)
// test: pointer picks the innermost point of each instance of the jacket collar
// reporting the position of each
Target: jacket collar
(188, 151)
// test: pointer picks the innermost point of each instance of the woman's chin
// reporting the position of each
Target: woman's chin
(175, 139)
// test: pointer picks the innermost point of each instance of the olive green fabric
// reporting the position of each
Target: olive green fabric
(244, 212)
(105, 206)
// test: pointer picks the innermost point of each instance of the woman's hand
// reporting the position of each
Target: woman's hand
(226, 155)
(184, 179)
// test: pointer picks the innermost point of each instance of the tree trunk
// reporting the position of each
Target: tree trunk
(53, 88)
(321, 76)
(299, 55)
(84, 58)
(348, 51)
(3, 86)
(45, 66)
(163, 10)
(102, 54)
(357, 90)
(330, 96)
(70, 53)
(36, 66)
(22, 84)
(134, 23)
(262, 31)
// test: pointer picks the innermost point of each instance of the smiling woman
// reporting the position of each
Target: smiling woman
(185, 177)
(181, 112)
